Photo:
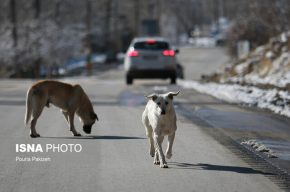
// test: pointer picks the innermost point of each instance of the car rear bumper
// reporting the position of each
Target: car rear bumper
(148, 74)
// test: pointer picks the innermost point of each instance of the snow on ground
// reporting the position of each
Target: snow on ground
(271, 99)
(260, 147)
(278, 74)
(260, 79)
(268, 64)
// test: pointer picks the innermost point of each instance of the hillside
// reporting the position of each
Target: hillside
(260, 79)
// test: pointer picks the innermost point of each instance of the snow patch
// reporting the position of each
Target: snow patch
(259, 147)
(271, 99)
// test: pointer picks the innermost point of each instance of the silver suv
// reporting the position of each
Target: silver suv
(150, 57)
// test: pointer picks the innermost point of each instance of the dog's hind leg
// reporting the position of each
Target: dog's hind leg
(37, 109)
(33, 132)
(149, 134)
(169, 145)
(159, 152)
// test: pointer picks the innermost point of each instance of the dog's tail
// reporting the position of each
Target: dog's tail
(28, 107)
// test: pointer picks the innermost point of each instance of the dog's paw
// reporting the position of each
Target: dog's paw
(163, 165)
(151, 152)
(77, 134)
(34, 135)
(156, 162)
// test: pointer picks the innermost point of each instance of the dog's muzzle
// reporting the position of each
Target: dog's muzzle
(162, 112)
(87, 129)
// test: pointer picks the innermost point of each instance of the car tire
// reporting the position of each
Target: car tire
(129, 80)
(179, 71)
(173, 80)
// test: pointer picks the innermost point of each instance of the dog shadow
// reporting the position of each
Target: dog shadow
(104, 137)
(211, 167)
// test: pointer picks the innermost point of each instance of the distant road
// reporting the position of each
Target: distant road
(198, 61)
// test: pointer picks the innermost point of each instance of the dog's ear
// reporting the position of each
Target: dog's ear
(171, 94)
(94, 116)
(152, 96)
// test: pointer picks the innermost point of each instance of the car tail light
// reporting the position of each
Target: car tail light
(133, 53)
(151, 41)
(169, 53)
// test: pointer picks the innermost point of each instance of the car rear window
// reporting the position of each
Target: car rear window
(151, 45)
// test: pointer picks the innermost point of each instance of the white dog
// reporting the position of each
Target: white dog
(159, 119)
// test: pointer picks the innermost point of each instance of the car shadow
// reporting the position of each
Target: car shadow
(211, 167)
(105, 137)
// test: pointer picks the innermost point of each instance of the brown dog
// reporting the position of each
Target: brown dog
(70, 99)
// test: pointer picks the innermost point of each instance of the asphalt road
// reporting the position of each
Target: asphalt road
(200, 61)
(115, 156)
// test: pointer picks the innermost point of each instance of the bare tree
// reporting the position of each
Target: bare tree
(54, 30)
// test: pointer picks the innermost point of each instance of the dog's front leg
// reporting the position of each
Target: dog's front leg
(169, 145)
(71, 125)
(156, 155)
(156, 158)
(65, 114)
(158, 147)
